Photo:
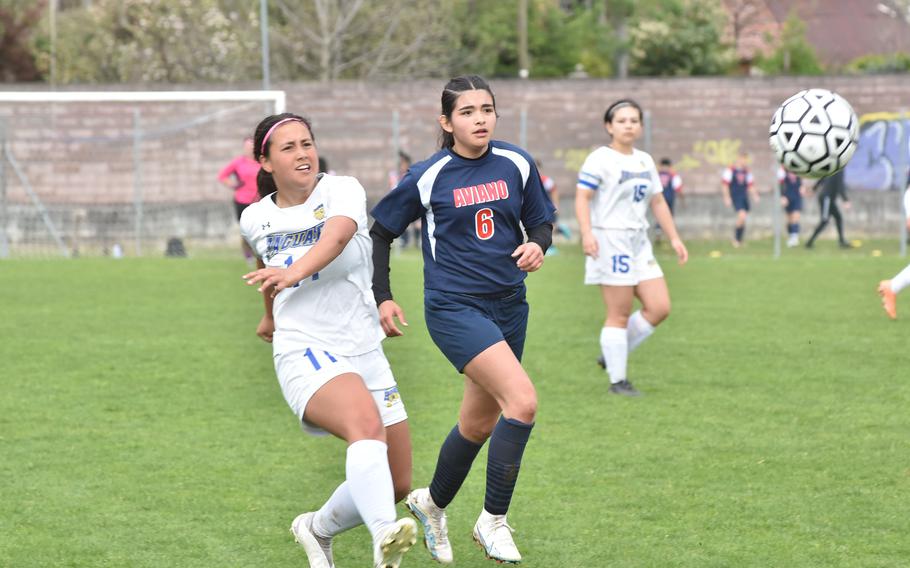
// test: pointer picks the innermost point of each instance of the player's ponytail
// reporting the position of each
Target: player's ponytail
(450, 93)
(265, 183)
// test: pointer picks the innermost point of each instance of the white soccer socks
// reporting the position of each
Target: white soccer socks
(639, 329)
(370, 484)
(901, 281)
(614, 344)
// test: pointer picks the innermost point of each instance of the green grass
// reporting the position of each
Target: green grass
(141, 423)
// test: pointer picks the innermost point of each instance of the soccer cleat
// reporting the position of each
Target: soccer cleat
(602, 363)
(494, 535)
(624, 388)
(433, 519)
(793, 241)
(845, 245)
(889, 298)
(318, 549)
(394, 542)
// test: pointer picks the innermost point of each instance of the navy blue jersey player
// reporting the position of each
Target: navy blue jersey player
(791, 197)
(473, 196)
(738, 184)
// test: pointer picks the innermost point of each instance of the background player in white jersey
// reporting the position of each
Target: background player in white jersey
(311, 236)
(889, 289)
(616, 185)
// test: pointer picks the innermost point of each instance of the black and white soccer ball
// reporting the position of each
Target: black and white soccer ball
(814, 133)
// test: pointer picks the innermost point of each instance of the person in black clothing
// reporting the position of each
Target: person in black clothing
(829, 189)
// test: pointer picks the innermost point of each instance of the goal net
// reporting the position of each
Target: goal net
(121, 173)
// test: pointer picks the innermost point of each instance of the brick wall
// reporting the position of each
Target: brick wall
(84, 155)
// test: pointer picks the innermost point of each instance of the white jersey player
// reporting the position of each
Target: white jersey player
(889, 289)
(616, 186)
(310, 233)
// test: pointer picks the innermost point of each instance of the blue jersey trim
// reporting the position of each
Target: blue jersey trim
(587, 184)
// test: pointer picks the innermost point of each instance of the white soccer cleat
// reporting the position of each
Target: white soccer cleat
(318, 549)
(394, 542)
(433, 519)
(494, 535)
(793, 241)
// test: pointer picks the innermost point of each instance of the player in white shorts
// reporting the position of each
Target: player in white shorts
(889, 289)
(310, 233)
(616, 185)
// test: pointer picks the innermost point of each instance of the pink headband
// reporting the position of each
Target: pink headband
(272, 129)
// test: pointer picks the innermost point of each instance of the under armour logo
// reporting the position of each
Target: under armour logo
(266, 226)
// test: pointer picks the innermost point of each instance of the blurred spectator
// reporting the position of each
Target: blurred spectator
(412, 233)
(553, 192)
(738, 185)
(791, 199)
(240, 176)
(672, 187)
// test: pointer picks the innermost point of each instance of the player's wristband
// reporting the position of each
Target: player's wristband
(382, 245)
(542, 235)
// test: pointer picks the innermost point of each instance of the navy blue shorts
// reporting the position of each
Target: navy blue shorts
(464, 325)
(740, 201)
(794, 203)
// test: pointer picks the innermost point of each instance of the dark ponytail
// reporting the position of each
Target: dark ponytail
(450, 93)
(265, 183)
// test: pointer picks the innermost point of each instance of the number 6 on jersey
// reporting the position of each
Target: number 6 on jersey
(483, 224)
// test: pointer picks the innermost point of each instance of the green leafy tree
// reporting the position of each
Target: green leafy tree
(559, 38)
(486, 38)
(879, 63)
(680, 37)
(793, 54)
(139, 41)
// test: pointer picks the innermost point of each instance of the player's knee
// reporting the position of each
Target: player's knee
(477, 431)
(523, 408)
(657, 314)
(367, 426)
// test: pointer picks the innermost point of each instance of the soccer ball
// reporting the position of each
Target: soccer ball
(814, 133)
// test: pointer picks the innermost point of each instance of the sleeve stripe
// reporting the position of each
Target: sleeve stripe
(587, 184)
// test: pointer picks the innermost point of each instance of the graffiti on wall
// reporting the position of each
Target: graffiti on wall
(714, 152)
(882, 157)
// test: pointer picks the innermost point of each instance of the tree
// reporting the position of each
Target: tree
(743, 14)
(136, 41)
(618, 12)
(680, 37)
(17, 24)
(332, 39)
(560, 36)
(793, 55)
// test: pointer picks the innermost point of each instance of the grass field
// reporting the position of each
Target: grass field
(141, 423)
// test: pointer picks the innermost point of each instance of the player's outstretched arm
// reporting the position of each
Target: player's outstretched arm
(336, 234)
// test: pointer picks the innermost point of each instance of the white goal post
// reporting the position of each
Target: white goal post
(82, 171)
